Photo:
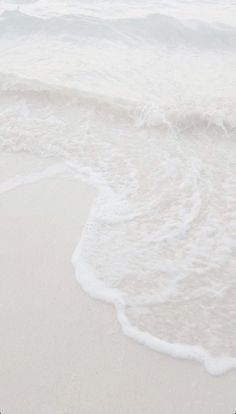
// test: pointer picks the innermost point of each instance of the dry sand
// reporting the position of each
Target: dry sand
(62, 352)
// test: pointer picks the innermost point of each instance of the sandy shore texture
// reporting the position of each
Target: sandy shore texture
(62, 352)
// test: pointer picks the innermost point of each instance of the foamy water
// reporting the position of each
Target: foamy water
(139, 99)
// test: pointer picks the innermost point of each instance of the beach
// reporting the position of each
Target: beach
(61, 351)
(117, 207)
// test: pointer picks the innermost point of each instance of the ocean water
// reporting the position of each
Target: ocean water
(137, 98)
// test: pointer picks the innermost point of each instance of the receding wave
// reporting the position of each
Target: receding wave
(153, 128)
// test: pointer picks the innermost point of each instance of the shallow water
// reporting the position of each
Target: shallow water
(138, 99)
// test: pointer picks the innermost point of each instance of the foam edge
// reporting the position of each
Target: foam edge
(96, 289)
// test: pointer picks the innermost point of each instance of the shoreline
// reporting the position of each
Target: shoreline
(60, 350)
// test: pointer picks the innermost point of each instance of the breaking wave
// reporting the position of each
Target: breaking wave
(152, 127)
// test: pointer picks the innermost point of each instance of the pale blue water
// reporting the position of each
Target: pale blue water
(138, 98)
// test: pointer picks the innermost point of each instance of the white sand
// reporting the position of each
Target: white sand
(62, 352)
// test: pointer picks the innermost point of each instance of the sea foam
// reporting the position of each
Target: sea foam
(143, 108)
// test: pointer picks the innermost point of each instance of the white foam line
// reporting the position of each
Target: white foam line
(213, 365)
(19, 180)
(97, 289)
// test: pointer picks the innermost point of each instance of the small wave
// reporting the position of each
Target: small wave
(153, 128)
(221, 116)
(153, 28)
